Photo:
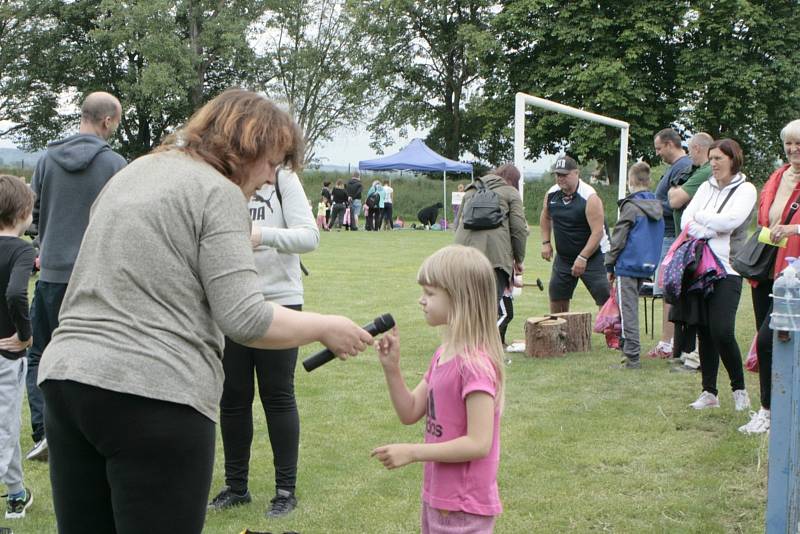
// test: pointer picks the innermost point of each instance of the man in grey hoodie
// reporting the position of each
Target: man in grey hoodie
(67, 179)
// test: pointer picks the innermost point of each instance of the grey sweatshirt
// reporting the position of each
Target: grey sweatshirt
(67, 179)
(165, 268)
(287, 229)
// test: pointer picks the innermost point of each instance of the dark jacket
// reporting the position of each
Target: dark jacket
(67, 180)
(505, 244)
(638, 234)
(354, 189)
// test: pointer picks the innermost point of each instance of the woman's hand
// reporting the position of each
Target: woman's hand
(395, 455)
(13, 344)
(779, 231)
(255, 235)
(344, 337)
(389, 349)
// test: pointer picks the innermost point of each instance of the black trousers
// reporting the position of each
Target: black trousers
(762, 308)
(47, 299)
(126, 464)
(386, 216)
(718, 339)
(274, 370)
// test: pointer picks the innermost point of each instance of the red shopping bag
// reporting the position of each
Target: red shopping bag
(608, 318)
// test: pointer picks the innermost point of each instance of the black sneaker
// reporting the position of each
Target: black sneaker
(227, 499)
(15, 508)
(282, 503)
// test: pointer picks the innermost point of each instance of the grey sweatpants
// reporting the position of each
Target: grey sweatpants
(628, 301)
(12, 385)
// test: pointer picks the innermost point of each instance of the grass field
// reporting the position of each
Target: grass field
(583, 448)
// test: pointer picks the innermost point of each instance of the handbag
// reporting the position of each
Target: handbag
(756, 260)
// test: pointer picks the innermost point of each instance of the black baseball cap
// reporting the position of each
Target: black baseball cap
(564, 165)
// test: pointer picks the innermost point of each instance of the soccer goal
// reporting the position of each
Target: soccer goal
(521, 103)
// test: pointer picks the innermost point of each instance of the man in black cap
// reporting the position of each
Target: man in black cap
(574, 213)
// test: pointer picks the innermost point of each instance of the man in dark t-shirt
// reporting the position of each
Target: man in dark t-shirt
(574, 213)
(667, 144)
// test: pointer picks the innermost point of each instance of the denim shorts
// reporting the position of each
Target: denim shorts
(658, 289)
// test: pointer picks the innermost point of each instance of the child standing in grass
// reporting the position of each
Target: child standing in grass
(461, 395)
(16, 263)
(635, 250)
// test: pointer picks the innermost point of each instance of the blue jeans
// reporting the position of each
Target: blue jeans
(355, 211)
(657, 288)
(47, 298)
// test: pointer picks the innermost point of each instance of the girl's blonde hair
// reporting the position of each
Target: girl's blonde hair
(468, 278)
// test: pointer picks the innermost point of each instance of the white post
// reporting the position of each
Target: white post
(444, 194)
(623, 162)
(519, 137)
(521, 100)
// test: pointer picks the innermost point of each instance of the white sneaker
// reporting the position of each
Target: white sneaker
(705, 400)
(758, 424)
(39, 451)
(741, 400)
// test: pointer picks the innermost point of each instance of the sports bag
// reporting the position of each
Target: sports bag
(482, 211)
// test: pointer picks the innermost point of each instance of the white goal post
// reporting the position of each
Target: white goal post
(522, 100)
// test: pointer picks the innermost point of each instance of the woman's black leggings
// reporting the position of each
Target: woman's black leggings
(718, 339)
(337, 215)
(762, 308)
(274, 370)
(126, 464)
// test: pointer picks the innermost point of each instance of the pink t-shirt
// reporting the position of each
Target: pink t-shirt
(465, 486)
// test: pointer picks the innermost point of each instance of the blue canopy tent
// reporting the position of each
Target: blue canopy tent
(416, 156)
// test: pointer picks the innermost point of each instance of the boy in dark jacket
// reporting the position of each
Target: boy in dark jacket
(635, 251)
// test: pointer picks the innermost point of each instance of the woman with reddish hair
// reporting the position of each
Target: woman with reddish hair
(720, 212)
(133, 376)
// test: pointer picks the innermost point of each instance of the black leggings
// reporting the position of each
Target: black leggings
(274, 370)
(718, 339)
(386, 216)
(126, 464)
(762, 308)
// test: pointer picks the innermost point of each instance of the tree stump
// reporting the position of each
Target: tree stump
(544, 337)
(578, 330)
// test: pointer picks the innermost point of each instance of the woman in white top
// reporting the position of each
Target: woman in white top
(283, 228)
(386, 208)
(727, 189)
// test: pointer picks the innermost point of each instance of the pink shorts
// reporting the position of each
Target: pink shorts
(447, 522)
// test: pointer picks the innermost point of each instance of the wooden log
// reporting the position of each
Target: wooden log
(578, 330)
(544, 337)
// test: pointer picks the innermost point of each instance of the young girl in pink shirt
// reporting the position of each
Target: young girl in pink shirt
(461, 395)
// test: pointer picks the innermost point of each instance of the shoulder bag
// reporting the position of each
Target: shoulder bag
(756, 259)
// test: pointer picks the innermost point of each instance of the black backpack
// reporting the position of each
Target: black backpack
(482, 211)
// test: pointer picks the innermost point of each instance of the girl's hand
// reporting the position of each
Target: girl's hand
(13, 344)
(395, 455)
(389, 348)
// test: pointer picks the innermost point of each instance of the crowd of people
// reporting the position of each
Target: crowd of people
(132, 354)
(339, 207)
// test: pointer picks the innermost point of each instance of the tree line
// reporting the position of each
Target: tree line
(727, 67)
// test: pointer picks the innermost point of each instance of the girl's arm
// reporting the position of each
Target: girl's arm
(409, 405)
(474, 445)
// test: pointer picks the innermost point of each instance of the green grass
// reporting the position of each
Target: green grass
(583, 448)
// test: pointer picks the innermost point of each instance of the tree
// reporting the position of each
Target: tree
(613, 58)
(315, 60)
(427, 65)
(739, 74)
(161, 58)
